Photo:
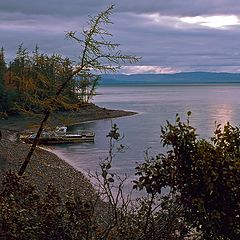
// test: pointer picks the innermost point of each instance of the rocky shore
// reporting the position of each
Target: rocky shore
(46, 168)
(88, 112)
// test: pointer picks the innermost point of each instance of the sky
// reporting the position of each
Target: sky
(169, 36)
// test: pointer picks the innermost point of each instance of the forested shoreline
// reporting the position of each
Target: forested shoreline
(30, 81)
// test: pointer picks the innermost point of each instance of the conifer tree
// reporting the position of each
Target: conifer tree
(3, 69)
(97, 53)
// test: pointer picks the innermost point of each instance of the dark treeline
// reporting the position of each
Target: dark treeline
(29, 82)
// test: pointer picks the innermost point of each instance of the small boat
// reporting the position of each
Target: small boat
(60, 135)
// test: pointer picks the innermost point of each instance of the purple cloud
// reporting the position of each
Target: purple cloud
(169, 35)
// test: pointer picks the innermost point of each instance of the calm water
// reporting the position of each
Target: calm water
(155, 105)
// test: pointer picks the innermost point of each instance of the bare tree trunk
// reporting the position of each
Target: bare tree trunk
(34, 145)
(91, 55)
(40, 129)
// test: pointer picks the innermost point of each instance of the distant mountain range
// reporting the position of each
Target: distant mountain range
(177, 78)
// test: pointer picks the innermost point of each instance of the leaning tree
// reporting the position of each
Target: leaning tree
(98, 53)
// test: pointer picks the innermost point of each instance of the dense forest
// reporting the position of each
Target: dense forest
(30, 81)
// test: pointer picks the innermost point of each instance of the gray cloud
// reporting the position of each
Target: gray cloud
(80, 7)
(148, 28)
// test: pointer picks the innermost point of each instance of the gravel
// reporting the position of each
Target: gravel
(45, 168)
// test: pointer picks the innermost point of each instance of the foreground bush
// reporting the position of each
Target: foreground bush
(200, 179)
(203, 177)
(27, 214)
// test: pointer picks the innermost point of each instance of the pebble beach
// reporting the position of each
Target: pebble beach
(45, 167)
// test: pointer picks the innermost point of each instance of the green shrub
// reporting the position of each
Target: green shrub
(26, 214)
(204, 177)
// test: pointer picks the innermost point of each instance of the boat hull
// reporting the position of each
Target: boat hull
(58, 140)
(49, 139)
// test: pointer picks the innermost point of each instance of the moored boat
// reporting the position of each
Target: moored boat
(60, 135)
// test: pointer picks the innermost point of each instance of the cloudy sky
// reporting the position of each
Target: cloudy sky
(170, 36)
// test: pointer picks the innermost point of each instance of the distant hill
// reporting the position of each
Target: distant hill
(177, 78)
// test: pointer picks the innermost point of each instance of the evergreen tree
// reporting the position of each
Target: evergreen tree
(3, 69)
(33, 79)
(96, 55)
(85, 84)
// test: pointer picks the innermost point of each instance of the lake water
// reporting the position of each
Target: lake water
(155, 105)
